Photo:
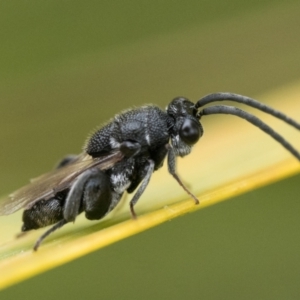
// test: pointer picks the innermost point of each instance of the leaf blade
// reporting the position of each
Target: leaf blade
(19, 262)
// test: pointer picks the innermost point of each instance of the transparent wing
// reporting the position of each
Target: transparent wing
(47, 185)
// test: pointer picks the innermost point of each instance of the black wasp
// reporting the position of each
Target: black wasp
(121, 156)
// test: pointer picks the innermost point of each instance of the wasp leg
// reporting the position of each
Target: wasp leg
(66, 160)
(130, 148)
(21, 234)
(172, 171)
(159, 155)
(58, 225)
(97, 197)
(148, 172)
(91, 193)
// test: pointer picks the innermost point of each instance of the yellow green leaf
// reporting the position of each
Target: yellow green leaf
(231, 158)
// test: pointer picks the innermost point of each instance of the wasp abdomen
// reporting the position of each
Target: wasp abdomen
(42, 214)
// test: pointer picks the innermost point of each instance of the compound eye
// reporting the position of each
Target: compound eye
(190, 132)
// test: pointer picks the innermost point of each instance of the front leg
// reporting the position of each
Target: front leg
(172, 171)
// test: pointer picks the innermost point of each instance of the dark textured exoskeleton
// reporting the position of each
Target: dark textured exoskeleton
(121, 156)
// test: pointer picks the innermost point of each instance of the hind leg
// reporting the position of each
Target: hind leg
(91, 193)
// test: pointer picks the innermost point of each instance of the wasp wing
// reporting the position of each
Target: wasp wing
(47, 185)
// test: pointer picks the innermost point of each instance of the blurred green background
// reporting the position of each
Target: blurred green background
(67, 66)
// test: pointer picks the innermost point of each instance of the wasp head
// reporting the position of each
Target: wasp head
(186, 129)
